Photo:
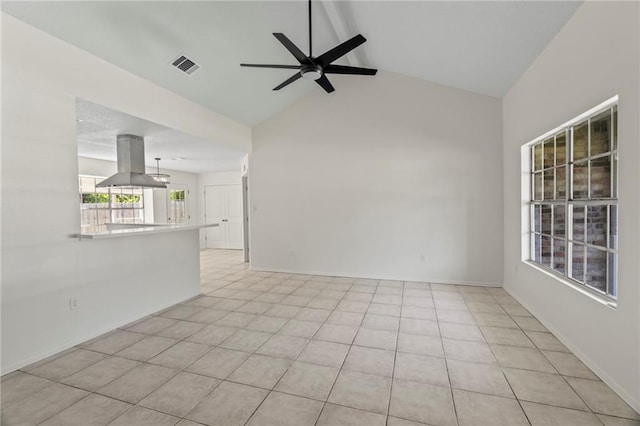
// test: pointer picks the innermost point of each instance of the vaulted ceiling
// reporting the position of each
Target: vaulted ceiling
(478, 46)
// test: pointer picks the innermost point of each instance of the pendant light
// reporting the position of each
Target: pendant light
(159, 177)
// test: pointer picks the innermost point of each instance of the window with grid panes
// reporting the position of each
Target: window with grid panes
(108, 205)
(574, 202)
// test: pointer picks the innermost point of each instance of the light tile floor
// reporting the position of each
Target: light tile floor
(261, 348)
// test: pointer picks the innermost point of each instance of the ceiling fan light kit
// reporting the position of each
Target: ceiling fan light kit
(316, 68)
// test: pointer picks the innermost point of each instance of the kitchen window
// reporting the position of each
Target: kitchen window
(108, 205)
(573, 201)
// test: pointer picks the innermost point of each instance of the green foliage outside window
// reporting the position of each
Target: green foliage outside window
(95, 198)
(177, 195)
(127, 198)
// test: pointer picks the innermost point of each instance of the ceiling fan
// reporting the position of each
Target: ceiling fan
(316, 68)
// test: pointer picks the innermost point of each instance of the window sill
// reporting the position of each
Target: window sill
(563, 280)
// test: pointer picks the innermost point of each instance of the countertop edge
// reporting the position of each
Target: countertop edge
(145, 230)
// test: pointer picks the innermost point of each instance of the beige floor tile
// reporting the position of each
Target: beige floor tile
(308, 380)
(522, 358)
(506, 336)
(345, 318)
(337, 333)
(254, 307)
(324, 353)
(137, 383)
(601, 399)
(421, 368)
(456, 316)
(546, 415)
(388, 299)
(420, 302)
(218, 363)
(229, 404)
(370, 360)
(362, 391)
(300, 328)
(517, 311)
(267, 324)
(312, 314)
(482, 378)
(382, 309)
(48, 359)
(204, 301)
(394, 421)
(418, 313)
(147, 348)
(41, 405)
(421, 327)
(236, 319)
(269, 298)
(546, 341)
(151, 325)
(381, 322)
(422, 403)
(454, 305)
(451, 330)
(476, 409)
(323, 303)
(181, 312)
(617, 421)
(212, 334)
(180, 394)
(208, 316)
(101, 373)
(468, 351)
(530, 324)
(292, 300)
(333, 415)
(68, 364)
(92, 410)
(181, 330)
(380, 339)
(246, 340)
(484, 307)
(421, 345)
(229, 304)
(283, 346)
(569, 365)
(286, 410)
(138, 416)
(354, 296)
(180, 355)
(283, 311)
(261, 371)
(543, 388)
(21, 387)
(492, 319)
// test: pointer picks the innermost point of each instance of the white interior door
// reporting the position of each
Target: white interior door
(233, 220)
(223, 205)
(214, 213)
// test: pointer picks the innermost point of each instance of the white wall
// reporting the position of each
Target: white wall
(95, 167)
(593, 58)
(363, 181)
(114, 280)
(213, 178)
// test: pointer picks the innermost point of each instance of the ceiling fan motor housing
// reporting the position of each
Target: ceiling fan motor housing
(311, 72)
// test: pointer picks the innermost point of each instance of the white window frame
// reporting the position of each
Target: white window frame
(609, 296)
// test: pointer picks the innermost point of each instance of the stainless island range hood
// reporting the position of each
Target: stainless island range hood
(131, 169)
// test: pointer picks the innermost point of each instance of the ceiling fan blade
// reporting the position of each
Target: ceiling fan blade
(288, 81)
(325, 84)
(340, 50)
(341, 69)
(297, 53)
(289, 67)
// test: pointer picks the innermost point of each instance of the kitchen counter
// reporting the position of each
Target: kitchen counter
(130, 230)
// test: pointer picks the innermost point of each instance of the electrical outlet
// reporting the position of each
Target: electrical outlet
(423, 259)
(73, 304)
(292, 253)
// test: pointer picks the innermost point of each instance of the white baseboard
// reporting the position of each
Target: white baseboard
(373, 277)
(622, 393)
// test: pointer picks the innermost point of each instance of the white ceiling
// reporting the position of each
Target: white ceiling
(98, 126)
(480, 46)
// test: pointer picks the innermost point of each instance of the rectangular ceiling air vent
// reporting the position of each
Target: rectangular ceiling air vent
(185, 64)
